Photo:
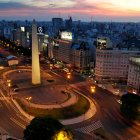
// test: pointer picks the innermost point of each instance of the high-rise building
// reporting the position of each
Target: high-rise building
(68, 24)
(57, 24)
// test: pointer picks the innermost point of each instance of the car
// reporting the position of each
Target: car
(16, 89)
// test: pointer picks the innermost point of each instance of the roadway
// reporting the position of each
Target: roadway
(108, 113)
(11, 120)
(108, 110)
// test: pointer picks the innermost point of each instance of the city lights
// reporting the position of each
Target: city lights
(68, 75)
(92, 89)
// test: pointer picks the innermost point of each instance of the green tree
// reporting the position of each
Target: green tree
(131, 106)
(42, 128)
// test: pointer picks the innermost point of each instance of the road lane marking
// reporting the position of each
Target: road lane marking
(5, 99)
(7, 103)
(18, 123)
(57, 74)
(23, 118)
(48, 75)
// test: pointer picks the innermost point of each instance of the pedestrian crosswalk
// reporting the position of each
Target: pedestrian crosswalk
(90, 128)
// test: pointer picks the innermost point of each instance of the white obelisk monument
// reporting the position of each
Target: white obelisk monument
(35, 56)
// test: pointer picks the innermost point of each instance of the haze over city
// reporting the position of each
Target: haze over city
(85, 10)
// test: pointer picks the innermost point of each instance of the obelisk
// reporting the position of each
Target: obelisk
(35, 56)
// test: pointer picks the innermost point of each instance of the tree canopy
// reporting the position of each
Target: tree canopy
(131, 106)
(45, 128)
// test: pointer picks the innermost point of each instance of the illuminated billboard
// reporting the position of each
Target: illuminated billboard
(22, 29)
(66, 35)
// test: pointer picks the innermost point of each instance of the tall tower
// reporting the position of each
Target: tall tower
(35, 56)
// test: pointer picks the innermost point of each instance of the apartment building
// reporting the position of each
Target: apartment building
(81, 55)
(62, 50)
(113, 63)
(75, 53)
(134, 74)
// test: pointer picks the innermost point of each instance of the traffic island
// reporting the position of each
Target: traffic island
(72, 111)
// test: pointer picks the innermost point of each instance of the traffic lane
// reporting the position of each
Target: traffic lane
(110, 114)
(113, 111)
(74, 78)
(108, 123)
(11, 120)
(7, 115)
(113, 115)
(106, 102)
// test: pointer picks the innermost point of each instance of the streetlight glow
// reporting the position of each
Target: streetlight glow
(68, 75)
(92, 89)
(9, 84)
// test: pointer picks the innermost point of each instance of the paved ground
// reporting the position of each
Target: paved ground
(46, 93)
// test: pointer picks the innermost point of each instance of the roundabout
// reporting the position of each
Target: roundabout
(56, 98)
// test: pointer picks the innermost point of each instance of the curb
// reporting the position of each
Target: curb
(90, 113)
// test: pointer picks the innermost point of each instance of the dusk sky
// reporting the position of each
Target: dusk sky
(86, 10)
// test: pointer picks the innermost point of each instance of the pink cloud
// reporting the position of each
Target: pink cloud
(82, 7)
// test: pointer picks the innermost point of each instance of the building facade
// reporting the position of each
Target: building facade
(113, 63)
(62, 50)
(81, 55)
(75, 53)
(134, 74)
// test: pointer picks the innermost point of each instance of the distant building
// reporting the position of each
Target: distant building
(21, 37)
(81, 55)
(68, 23)
(134, 74)
(8, 32)
(104, 43)
(57, 24)
(113, 63)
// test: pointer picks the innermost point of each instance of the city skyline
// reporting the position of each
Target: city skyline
(86, 10)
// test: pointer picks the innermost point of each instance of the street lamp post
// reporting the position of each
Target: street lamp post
(9, 86)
